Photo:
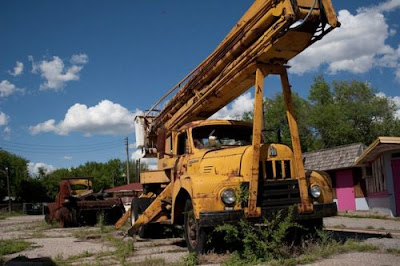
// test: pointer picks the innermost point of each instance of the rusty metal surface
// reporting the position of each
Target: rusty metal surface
(71, 210)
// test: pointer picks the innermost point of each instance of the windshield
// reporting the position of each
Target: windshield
(221, 135)
(78, 187)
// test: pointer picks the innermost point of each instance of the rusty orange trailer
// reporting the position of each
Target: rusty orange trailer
(76, 204)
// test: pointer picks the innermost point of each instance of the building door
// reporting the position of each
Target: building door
(345, 190)
(396, 183)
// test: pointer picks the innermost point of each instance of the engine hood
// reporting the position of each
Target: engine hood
(237, 161)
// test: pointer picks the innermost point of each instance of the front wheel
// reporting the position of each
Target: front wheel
(195, 236)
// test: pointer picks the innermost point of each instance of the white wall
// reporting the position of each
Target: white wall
(380, 204)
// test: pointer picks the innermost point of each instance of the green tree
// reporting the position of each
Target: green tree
(17, 170)
(105, 175)
(276, 125)
(349, 112)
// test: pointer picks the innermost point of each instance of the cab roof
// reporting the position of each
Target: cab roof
(211, 122)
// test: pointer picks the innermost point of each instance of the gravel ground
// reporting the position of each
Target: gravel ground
(56, 243)
(362, 223)
(360, 258)
(63, 247)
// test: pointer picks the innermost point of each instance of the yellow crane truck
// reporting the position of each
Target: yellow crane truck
(212, 172)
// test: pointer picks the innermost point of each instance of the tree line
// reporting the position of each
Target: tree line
(43, 186)
(335, 114)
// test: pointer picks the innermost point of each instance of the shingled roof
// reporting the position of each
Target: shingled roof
(128, 187)
(335, 158)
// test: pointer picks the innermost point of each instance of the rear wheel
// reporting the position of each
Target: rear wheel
(138, 206)
(195, 236)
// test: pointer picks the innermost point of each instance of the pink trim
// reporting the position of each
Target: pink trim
(382, 194)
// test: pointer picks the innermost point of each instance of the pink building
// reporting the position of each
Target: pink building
(364, 178)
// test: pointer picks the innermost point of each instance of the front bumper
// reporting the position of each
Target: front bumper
(212, 219)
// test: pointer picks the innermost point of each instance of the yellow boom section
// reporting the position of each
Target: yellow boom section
(270, 32)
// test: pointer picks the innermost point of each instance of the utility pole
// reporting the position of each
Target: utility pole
(127, 160)
(138, 169)
(8, 190)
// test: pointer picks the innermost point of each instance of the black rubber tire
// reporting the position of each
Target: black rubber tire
(138, 206)
(47, 219)
(195, 236)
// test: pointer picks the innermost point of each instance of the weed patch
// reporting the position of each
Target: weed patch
(190, 259)
(123, 248)
(368, 216)
(101, 221)
(258, 243)
(269, 243)
(61, 261)
(393, 251)
(12, 246)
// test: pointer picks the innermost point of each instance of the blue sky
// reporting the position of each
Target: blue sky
(73, 74)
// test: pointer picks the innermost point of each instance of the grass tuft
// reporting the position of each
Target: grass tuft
(123, 248)
(12, 246)
(190, 259)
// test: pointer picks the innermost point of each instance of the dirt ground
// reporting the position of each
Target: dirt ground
(107, 246)
(85, 245)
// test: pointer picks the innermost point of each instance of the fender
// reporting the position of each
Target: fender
(323, 180)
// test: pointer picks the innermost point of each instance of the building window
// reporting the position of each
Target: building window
(374, 175)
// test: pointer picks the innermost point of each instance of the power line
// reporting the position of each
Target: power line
(17, 144)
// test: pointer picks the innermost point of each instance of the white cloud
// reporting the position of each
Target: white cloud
(79, 59)
(357, 46)
(4, 119)
(105, 118)
(67, 157)
(56, 73)
(151, 162)
(239, 106)
(33, 168)
(18, 69)
(7, 88)
(388, 6)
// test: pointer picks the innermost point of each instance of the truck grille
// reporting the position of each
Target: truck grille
(275, 169)
(278, 193)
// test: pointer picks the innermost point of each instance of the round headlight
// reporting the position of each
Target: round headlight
(315, 191)
(228, 196)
